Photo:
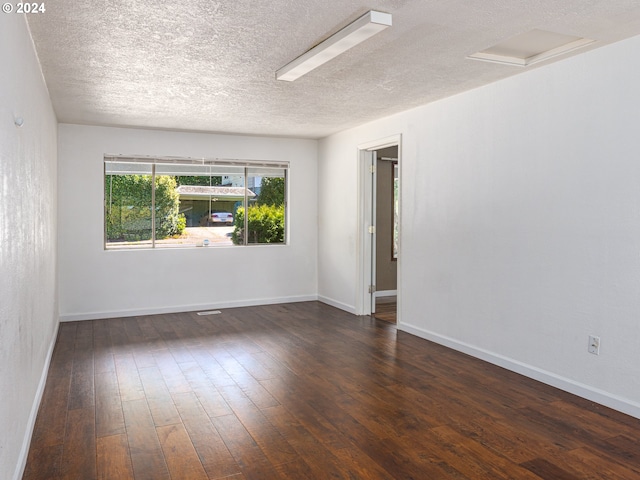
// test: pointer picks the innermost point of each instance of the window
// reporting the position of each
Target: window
(167, 202)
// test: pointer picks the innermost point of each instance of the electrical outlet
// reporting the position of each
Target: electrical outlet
(594, 345)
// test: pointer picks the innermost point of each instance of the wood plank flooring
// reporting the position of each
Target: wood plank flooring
(305, 391)
(386, 309)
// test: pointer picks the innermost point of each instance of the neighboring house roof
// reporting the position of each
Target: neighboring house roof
(196, 192)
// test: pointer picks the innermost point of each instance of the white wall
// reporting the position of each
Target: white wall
(96, 283)
(520, 222)
(28, 309)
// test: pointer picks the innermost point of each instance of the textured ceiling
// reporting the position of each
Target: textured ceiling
(207, 65)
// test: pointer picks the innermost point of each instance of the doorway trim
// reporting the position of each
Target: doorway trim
(364, 297)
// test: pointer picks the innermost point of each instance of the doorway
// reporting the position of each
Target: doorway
(379, 213)
(386, 232)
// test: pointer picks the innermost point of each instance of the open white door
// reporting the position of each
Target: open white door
(366, 252)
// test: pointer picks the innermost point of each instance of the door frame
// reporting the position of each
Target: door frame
(366, 195)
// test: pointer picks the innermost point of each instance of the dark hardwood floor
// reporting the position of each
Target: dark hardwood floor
(386, 309)
(305, 391)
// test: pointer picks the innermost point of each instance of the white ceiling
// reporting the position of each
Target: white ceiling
(209, 65)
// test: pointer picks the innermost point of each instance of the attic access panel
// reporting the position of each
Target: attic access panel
(531, 47)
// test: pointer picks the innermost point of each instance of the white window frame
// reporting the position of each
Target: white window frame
(245, 164)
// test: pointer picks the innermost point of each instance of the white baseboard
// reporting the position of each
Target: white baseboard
(386, 293)
(337, 304)
(602, 397)
(185, 308)
(26, 442)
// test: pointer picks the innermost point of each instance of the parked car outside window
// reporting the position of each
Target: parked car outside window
(222, 217)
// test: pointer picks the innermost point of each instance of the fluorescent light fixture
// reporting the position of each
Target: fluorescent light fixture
(357, 32)
(531, 47)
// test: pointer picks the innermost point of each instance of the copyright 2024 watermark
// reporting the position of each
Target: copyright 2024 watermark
(23, 7)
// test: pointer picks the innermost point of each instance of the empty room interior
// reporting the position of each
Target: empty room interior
(358, 240)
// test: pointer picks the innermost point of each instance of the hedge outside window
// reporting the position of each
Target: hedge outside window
(169, 202)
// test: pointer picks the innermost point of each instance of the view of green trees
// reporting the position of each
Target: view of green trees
(201, 180)
(272, 191)
(128, 207)
(266, 217)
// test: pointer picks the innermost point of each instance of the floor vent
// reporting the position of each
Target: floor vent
(210, 312)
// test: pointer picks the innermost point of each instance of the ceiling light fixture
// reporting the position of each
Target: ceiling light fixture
(357, 32)
(531, 47)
